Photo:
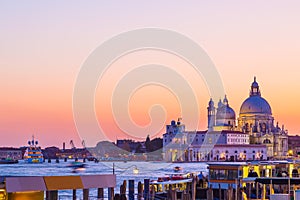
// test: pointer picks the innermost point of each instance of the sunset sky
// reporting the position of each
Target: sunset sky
(43, 46)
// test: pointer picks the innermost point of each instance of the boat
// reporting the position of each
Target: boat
(8, 161)
(177, 169)
(33, 153)
(175, 180)
(77, 164)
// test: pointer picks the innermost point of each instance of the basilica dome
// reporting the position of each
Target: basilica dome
(255, 104)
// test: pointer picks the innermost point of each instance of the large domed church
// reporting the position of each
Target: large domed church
(255, 119)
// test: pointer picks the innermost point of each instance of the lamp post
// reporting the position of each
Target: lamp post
(113, 168)
(135, 169)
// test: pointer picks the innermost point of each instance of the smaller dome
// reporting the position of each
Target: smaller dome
(225, 112)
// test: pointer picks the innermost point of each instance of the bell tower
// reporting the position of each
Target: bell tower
(211, 114)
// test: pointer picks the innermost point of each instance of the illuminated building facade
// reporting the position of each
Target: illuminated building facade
(185, 146)
(253, 137)
(256, 120)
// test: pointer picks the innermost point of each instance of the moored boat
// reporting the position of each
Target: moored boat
(8, 161)
(177, 169)
(176, 181)
(33, 153)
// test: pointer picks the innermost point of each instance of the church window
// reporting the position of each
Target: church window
(263, 128)
(267, 141)
(247, 127)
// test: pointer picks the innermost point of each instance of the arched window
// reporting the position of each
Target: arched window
(267, 141)
(264, 127)
(247, 128)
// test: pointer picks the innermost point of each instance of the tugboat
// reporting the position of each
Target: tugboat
(33, 153)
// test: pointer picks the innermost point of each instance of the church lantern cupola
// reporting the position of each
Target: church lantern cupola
(254, 88)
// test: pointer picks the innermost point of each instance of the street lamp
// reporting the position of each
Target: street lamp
(135, 170)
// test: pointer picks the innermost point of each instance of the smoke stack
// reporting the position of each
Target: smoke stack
(64, 146)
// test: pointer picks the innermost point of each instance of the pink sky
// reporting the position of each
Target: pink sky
(43, 45)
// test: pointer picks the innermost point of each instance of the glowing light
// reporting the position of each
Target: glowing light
(135, 170)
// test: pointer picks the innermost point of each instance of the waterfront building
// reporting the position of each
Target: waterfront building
(10, 152)
(73, 153)
(186, 146)
(253, 137)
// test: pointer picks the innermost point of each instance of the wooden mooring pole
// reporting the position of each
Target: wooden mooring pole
(111, 193)
(100, 193)
(85, 194)
(140, 191)
(74, 194)
(131, 189)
